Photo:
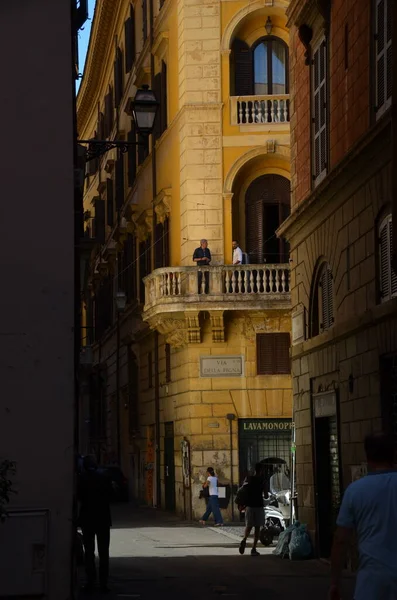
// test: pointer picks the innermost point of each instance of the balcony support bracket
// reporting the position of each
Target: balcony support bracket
(217, 326)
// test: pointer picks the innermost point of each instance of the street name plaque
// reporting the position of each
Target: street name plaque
(221, 366)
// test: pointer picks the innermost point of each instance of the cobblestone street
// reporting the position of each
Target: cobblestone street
(153, 554)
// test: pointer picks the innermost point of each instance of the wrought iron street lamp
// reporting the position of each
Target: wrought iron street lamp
(144, 109)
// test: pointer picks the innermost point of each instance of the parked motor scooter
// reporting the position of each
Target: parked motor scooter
(277, 516)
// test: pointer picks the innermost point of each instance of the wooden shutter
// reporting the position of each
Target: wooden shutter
(143, 147)
(383, 59)
(243, 68)
(319, 114)
(166, 234)
(101, 127)
(110, 202)
(109, 112)
(150, 369)
(163, 98)
(272, 351)
(119, 182)
(158, 121)
(129, 37)
(158, 247)
(132, 155)
(99, 220)
(92, 165)
(144, 20)
(118, 78)
(327, 298)
(149, 255)
(388, 278)
(167, 363)
(142, 271)
(282, 359)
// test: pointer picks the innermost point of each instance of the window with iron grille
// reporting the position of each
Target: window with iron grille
(383, 55)
(319, 113)
(388, 278)
(272, 353)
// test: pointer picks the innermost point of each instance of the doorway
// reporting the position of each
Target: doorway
(169, 466)
(327, 469)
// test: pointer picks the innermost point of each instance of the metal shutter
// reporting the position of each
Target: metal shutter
(388, 278)
(327, 298)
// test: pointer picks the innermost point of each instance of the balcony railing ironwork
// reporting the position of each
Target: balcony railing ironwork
(230, 284)
(256, 110)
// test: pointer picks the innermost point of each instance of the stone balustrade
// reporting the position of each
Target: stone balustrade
(217, 285)
(257, 110)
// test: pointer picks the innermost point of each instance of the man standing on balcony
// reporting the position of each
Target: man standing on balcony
(202, 258)
(237, 253)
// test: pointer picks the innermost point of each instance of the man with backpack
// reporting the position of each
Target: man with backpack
(250, 495)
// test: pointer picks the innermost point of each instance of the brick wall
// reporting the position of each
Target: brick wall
(349, 88)
(349, 75)
(300, 120)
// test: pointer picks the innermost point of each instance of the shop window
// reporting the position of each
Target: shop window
(272, 353)
(388, 278)
(320, 113)
(167, 363)
(383, 56)
(322, 301)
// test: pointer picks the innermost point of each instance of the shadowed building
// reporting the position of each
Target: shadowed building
(344, 289)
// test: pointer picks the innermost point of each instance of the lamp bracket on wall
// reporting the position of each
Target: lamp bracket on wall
(97, 148)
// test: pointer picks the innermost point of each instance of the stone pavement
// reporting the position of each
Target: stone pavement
(156, 555)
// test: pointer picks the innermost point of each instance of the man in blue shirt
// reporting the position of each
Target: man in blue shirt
(202, 258)
(369, 508)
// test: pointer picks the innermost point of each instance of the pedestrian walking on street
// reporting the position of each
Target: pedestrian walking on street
(254, 511)
(369, 509)
(213, 499)
(94, 492)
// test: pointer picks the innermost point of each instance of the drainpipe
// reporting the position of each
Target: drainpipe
(230, 417)
(156, 335)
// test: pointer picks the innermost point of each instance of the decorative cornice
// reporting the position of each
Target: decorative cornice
(100, 39)
(144, 224)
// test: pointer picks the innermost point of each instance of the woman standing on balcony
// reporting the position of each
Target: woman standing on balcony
(213, 499)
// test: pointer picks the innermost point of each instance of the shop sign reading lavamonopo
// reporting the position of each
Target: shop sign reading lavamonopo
(221, 366)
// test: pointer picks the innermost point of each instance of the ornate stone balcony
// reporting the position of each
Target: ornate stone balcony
(260, 110)
(175, 296)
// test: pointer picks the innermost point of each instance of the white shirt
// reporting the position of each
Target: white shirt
(213, 485)
(237, 256)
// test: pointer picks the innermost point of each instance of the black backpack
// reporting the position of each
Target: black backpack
(245, 260)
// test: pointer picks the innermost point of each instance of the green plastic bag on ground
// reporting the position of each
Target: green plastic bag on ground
(300, 546)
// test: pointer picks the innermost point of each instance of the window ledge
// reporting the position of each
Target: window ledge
(340, 331)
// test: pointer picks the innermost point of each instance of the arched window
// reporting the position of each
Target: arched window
(267, 205)
(261, 69)
(388, 278)
(270, 67)
(322, 301)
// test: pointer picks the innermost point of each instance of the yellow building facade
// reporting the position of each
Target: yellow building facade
(195, 371)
